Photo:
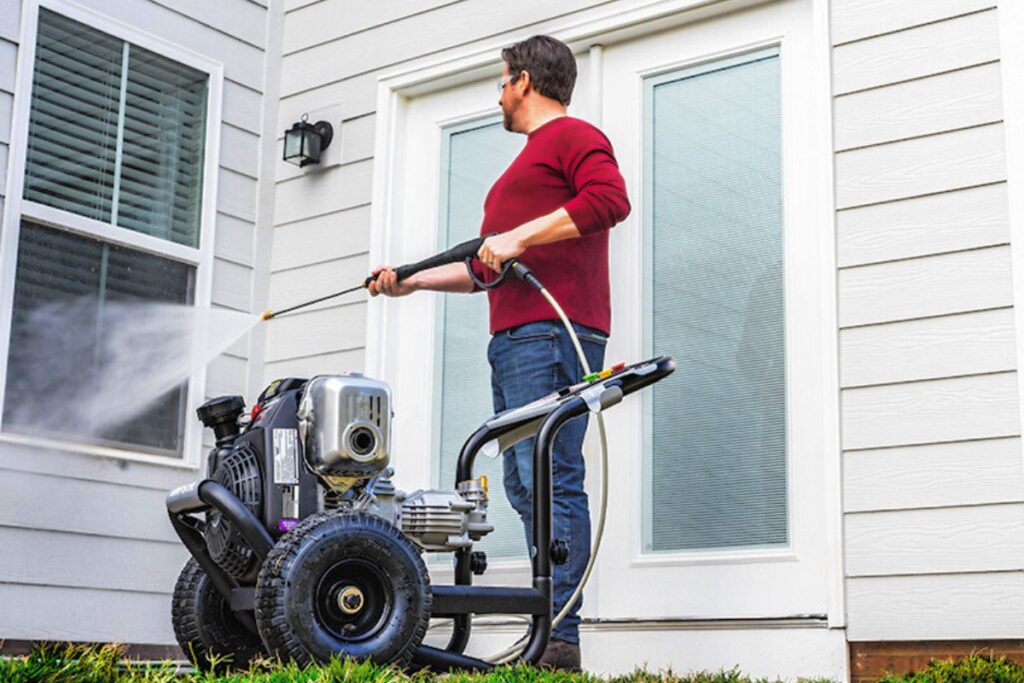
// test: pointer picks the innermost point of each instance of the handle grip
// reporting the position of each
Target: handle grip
(460, 252)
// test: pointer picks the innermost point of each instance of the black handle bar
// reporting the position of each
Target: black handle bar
(465, 252)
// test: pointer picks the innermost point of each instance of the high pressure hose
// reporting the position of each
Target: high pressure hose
(508, 655)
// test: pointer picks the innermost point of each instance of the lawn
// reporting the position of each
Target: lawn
(77, 664)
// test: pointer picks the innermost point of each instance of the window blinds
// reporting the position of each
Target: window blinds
(472, 160)
(116, 133)
(716, 471)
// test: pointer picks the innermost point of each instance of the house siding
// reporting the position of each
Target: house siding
(932, 468)
(89, 553)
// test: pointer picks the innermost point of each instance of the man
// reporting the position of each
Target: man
(552, 207)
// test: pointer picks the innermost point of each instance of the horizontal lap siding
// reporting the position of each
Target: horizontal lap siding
(932, 469)
(90, 553)
(322, 213)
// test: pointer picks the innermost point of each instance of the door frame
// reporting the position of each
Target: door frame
(606, 25)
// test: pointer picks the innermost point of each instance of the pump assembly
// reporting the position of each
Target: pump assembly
(303, 548)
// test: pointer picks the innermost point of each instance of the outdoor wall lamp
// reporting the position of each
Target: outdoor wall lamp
(304, 141)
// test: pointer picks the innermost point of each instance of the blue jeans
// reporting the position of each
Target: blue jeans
(527, 362)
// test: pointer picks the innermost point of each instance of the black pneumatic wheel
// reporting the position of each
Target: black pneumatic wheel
(206, 629)
(343, 584)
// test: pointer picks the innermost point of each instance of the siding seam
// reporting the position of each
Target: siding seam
(1001, 503)
(315, 355)
(320, 262)
(940, 20)
(957, 129)
(919, 380)
(903, 259)
(91, 534)
(924, 317)
(321, 215)
(962, 67)
(104, 589)
(60, 475)
(926, 194)
(333, 39)
(191, 18)
(341, 164)
(932, 443)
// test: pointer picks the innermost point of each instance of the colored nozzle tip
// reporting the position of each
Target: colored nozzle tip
(267, 315)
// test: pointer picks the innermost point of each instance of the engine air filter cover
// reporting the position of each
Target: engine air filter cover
(345, 425)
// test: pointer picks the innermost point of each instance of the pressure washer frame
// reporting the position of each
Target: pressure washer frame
(461, 600)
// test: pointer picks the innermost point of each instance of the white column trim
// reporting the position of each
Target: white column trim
(1011, 55)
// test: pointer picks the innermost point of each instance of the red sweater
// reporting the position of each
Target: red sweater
(566, 163)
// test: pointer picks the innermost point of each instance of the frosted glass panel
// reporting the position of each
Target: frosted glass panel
(472, 159)
(716, 468)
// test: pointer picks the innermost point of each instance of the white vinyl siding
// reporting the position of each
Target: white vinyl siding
(932, 472)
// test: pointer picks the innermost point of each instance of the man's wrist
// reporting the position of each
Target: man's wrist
(525, 234)
(412, 283)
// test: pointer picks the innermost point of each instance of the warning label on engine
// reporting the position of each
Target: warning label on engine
(286, 451)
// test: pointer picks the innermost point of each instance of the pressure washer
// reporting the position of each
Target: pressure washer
(305, 548)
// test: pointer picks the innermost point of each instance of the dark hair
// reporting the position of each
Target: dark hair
(549, 62)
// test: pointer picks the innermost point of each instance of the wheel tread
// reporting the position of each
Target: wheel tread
(277, 635)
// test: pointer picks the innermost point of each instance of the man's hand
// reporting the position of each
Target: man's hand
(387, 283)
(500, 248)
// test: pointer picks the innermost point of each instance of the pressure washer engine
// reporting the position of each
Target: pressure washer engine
(304, 549)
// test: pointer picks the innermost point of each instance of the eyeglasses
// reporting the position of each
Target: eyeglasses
(505, 80)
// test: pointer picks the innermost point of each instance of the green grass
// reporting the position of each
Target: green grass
(78, 664)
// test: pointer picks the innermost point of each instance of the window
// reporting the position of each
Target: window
(110, 211)
(716, 452)
(472, 157)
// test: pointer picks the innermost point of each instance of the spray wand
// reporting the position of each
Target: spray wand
(465, 252)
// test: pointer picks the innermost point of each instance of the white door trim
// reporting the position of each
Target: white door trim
(606, 26)
(1011, 65)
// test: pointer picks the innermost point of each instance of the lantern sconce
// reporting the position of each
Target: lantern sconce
(304, 141)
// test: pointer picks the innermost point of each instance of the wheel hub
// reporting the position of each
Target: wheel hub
(351, 600)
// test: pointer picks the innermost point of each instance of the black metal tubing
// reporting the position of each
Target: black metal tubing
(542, 487)
(187, 530)
(443, 661)
(461, 622)
(215, 495)
(450, 601)
(628, 381)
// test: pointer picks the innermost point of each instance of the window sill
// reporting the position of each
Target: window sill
(97, 451)
(717, 557)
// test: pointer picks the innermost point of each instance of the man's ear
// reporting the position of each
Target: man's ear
(524, 78)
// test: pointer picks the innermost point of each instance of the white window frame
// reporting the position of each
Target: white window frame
(608, 25)
(17, 208)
